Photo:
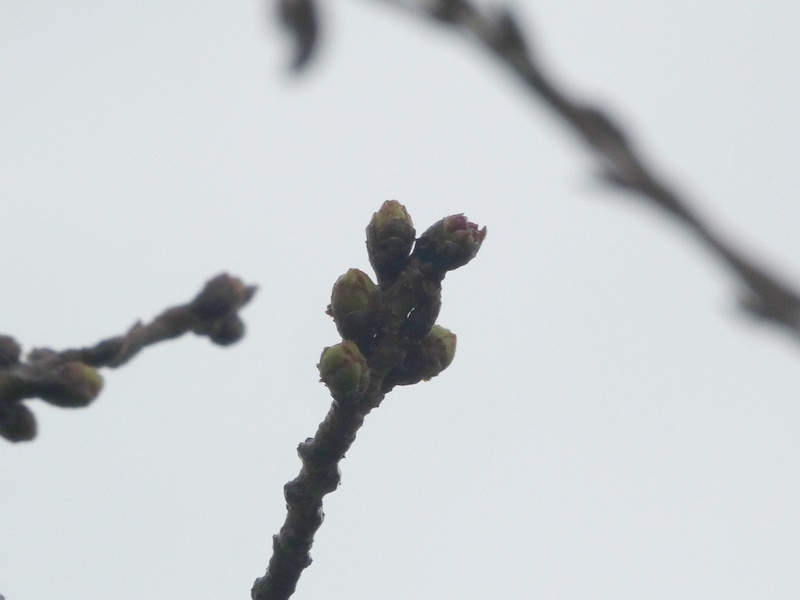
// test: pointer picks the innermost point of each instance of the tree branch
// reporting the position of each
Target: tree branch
(69, 379)
(390, 338)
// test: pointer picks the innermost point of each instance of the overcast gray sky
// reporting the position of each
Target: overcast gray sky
(611, 428)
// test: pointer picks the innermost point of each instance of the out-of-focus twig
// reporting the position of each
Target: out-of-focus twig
(764, 295)
(69, 378)
(299, 17)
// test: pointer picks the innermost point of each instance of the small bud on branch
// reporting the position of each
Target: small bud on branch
(450, 243)
(343, 369)
(350, 302)
(390, 235)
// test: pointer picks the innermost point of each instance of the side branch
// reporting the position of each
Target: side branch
(69, 378)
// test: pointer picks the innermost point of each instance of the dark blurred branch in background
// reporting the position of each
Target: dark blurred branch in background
(299, 17)
(69, 378)
(763, 294)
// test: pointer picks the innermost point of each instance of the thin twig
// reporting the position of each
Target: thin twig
(68, 378)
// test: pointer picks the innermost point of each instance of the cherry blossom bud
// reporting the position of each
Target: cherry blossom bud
(221, 296)
(350, 302)
(390, 236)
(438, 348)
(450, 243)
(432, 355)
(343, 369)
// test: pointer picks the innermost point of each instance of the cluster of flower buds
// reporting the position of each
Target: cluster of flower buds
(70, 378)
(389, 331)
(72, 385)
(216, 309)
(65, 384)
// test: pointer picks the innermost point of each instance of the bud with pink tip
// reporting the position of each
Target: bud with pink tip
(450, 243)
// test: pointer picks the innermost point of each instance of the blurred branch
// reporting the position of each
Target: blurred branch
(69, 378)
(299, 18)
(763, 294)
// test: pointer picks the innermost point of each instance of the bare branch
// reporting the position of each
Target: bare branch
(69, 379)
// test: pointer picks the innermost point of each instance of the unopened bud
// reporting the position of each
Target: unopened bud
(17, 423)
(74, 384)
(343, 369)
(432, 355)
(450, 243)
(390, 236)
(350, 302)
(438, 348)
(227, 331)
(221, 296)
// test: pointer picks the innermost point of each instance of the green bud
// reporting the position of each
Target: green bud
(350, 302)
(450, 243)
(343, 369)
(438, 348)
(351, 293)
(390, 236)
(432, 355)
(74, 384)
(17, 423)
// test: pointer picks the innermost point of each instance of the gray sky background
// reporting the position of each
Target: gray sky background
(611, 428)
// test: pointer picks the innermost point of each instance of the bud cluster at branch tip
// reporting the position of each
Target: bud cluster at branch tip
(70, 378)
(389, 330)
(390, 236)
(216, 309)
(67, 384)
